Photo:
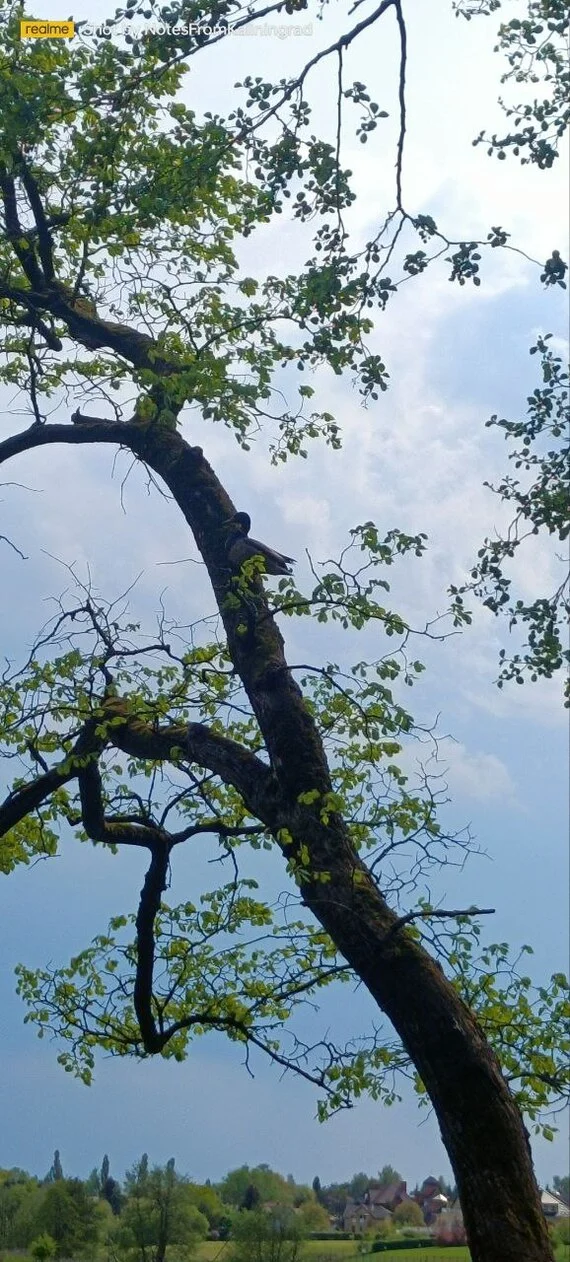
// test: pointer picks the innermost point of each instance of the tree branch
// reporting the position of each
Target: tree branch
(149, 905)
(45, 245)
(436, 915)
(115, 830)
(340, 44)
(29, 797)
(34, 321)
(402, 102)
(16, 234)
(195, 742)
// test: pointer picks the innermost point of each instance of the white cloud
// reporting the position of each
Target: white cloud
(479, 775)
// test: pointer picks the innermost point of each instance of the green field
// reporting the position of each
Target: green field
(314, 1250)
(331, 1250)
(345, 1251)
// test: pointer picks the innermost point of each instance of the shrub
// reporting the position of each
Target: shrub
(561, 1231)
(450, 1230)
(409, 1213)
(43, 1247)
(333, 1235)
(384, 1230)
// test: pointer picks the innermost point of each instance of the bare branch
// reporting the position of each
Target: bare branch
(14, 546)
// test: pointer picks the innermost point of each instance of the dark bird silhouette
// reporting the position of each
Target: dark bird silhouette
(239, 547)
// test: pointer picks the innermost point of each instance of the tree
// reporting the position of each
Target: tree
(97, 708)
(108, 1188)
(111, 1193)
(251, 1197)
(56, 1170)
(241, 1184)
(334, 1197)
(20, 1198)
(259, 1236)
(408, 1214)
(313, 1216)
(388, 1175)
(69, 1216)
(561, 1185)
(159, 1214)
(360, 1183)
(207, 1201)
(93, 1182)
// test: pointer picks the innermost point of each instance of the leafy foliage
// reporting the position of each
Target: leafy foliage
(528, 1024)
(536, 47)
(541, 506)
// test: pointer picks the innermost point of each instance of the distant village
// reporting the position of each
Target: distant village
(379, 1203)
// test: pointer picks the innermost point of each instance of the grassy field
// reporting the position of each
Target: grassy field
(345, 1251)
(331, 1250)
(315, 1249)
(450, 1254)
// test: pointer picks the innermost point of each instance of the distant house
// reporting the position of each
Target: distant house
(389, 1195)
(431, 1199)
(377, 1204)
(553, 1206)
(360, 1217)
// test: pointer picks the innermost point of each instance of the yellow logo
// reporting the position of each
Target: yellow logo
(43, 28)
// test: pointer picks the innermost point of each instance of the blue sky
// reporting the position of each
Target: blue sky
(417, 459)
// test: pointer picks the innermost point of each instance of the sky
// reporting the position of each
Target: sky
(416, 459)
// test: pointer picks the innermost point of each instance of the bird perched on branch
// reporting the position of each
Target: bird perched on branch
(239, 547)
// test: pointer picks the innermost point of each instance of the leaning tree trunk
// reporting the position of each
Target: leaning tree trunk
(480, 1123)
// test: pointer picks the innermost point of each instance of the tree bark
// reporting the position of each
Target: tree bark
(480, 1124)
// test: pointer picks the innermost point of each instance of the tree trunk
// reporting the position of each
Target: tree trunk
(480, 1124)
(479, 1121)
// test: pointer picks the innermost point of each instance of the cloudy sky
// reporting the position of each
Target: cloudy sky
(417, 459)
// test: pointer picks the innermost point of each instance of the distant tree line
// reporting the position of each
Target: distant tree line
(152, 1212)
(156, 1214)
